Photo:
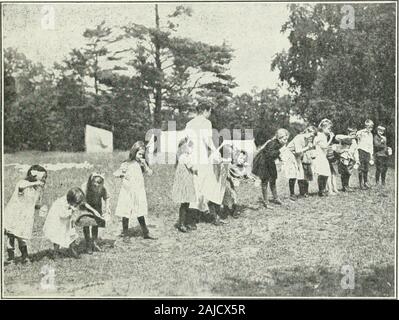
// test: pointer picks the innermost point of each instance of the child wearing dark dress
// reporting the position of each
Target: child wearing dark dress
(347, 155)
(96, 194)
(265, 167)
(381, 153)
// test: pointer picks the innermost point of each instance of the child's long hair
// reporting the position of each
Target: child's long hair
(76, 196)
(90, 191)
(133, 152)
(31, 175)
(134, 149)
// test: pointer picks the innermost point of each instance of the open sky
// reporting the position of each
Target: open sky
(252, 30)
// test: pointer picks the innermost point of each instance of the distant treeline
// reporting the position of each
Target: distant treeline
(342, 72)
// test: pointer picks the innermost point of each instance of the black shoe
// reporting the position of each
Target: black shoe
(182, 228)
(367, 186)
(191, 227)
(89, 247)
(11, 254)
(96, 247)
(74, 252)
(277, 201)
(217, 221)
(54, 254)
(123, 234)
(148, 237)
(293, 197)
(24, 254)
(267, 205)
(235, 215)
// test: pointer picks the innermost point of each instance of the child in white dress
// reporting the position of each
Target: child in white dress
(321, 164)
(20, 211)
(184, 191)
(132, 201)
(59, 227)
(365, 149)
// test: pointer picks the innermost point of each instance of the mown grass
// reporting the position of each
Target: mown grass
(297, 249)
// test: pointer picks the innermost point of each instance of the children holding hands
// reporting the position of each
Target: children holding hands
(89, 206)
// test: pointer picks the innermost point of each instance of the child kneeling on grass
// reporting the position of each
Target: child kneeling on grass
(59, 227)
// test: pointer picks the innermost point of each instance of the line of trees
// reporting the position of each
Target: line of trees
(127, 79)
(339, 70)
(135, 77)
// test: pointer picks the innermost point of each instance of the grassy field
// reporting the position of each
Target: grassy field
(297, 249)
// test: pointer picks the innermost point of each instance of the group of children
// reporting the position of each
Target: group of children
(87, 207)
(232, 167)
(315, 151)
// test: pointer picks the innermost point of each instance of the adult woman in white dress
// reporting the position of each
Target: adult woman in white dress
(204, 155)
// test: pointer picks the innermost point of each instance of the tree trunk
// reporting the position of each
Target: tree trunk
(95, 75)
(158, 84)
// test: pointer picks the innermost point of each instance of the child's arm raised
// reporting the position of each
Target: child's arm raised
(146, 167)
(22, 185)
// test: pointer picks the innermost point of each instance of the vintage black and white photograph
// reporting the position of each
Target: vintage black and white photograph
(199, 149)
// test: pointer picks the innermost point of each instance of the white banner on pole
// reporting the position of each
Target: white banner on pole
(98, 140)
